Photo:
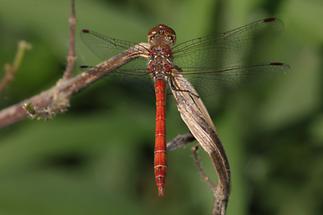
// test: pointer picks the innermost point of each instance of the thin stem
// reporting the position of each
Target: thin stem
(11, 69)
(200, 168)
(71, 56)
(180, 141)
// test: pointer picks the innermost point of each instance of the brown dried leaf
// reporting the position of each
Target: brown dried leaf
(196, 117)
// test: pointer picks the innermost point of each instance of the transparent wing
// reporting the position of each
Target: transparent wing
(104, 46)
(226, 48)
(210, 80)
(131, 78)
(236, 72)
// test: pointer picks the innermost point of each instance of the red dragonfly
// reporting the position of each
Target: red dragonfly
(193, 58)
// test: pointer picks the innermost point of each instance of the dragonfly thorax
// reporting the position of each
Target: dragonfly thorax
(160, 63)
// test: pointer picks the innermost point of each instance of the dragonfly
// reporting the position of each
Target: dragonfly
(164, 61)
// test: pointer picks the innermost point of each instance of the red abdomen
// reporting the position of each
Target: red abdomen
(160, 164)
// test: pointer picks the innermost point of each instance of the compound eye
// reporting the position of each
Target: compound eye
(152, 35)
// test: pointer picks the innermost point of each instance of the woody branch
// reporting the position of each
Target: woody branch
(56, 99)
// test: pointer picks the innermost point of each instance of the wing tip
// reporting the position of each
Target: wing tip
(270, 19)
(85, 31)
(276, 63)
(284, 66)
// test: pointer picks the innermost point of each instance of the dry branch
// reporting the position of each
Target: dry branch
(180, 141)
(56, 99)
(71, 56)
(200, 168)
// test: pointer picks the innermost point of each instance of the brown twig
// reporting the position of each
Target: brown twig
(71, 56)
(219, 190)
(11, 69)
(56, 99)
(200, 168)
(179, 141)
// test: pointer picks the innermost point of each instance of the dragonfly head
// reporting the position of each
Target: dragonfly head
(161, 34)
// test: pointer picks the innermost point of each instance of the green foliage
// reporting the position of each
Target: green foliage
(97, 158)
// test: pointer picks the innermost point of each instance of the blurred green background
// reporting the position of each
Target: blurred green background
(97, 157)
